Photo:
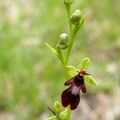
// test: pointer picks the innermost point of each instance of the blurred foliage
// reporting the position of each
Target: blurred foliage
(31, 78)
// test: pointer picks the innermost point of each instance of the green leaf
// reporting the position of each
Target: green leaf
(84, 64)
(52, 49)
(71, 71)
(65, 115)
(55, 52)
(89, 80)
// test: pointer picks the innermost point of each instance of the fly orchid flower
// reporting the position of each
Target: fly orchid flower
(71, 96)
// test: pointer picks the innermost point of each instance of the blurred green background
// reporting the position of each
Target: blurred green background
(31, 78)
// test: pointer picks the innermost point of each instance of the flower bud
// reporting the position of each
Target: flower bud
(57, 107)
(63, 42)
(68, 1)
(75, 17)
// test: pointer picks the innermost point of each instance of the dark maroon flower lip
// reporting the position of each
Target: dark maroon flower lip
(68, 98)
(71, 95)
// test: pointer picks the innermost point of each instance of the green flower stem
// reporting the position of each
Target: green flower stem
(61, 55)
(68, 7)
(64, 64)
(62, 61)
(70, 24)
(69, 48)
(71, 35)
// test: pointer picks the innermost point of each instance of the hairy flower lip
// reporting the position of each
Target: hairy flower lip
(71, 95)
(70, 99)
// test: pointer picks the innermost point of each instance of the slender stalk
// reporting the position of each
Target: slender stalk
(62, 61)
(69, 48)
(61, 55)
(71, 37)
(70, 24)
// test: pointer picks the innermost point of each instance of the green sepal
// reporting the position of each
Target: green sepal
(71, 71)
(84, 64)
(89, 80)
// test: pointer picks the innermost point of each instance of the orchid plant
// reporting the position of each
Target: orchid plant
(76, 77)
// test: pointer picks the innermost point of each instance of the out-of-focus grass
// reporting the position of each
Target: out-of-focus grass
(30, 76)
